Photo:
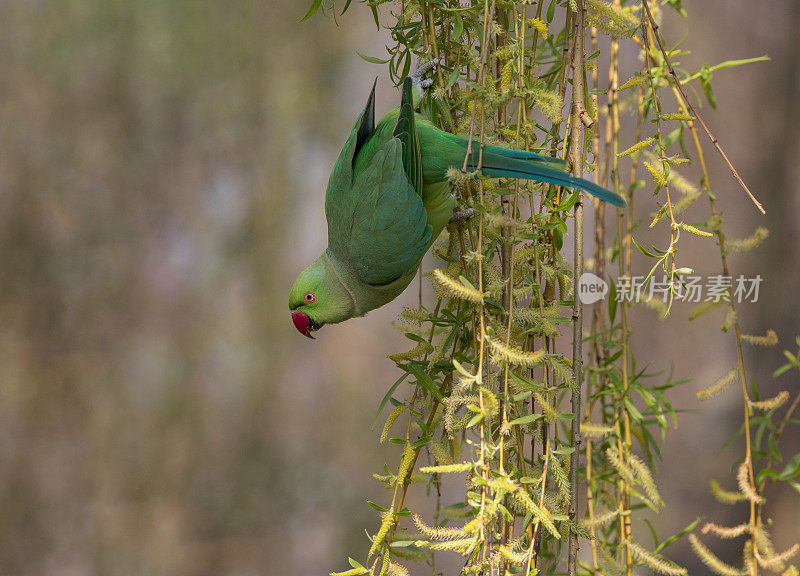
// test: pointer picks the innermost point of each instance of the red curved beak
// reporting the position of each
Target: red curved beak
(304, 324)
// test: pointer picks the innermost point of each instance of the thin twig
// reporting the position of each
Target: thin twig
(688, 103)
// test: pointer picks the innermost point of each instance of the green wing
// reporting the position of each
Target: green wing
(376, 220)
(390, 232)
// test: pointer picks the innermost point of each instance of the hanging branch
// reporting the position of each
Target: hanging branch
(686, 100)
(576, 158)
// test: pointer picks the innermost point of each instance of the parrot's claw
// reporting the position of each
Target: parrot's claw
(416, 77)
(461, 215)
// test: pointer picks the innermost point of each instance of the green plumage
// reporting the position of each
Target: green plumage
(388, 199)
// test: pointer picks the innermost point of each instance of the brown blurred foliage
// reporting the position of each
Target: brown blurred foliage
(162, 165)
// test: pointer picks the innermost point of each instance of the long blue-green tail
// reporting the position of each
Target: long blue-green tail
(501, 162)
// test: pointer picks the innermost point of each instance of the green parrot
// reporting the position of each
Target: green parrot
(387, 201)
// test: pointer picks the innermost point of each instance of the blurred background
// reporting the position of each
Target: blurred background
(162, 171)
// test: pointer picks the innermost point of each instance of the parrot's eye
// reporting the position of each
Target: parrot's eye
(309, 297)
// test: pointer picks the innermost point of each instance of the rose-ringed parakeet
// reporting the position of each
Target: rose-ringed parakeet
(388, 199)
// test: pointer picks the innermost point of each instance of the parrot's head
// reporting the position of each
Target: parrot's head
(318, 297)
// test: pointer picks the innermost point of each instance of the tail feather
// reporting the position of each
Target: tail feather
(498, 162)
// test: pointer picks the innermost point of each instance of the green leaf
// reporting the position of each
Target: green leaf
(355, 564)
(675, 537)
(313, 8)
(372, 59)
(458, 26)
(642, 250)
(376, 507)
(387, 396)
(425, 379)
(551, 11)
(792, 468)
(525, 419)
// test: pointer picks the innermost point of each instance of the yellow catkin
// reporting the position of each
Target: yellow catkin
(390, 420)
(725, 496)
(512, 354)
(505, 78)
(726, 532)
(460, 546)
(438, 532)
(614, 459)
(771, 403)
(745, 487)
(447, 468)
(601, 520)
(646, 478)
(768, 339)
(387, 520)
(454, 288)
(657, 174)
(351, 572)
(778, 561)
(538, 513)
(405, 463)
(596, 430)
(678, 117)
(396, 569)
(791, 571)
(730, 320)
(693, 230)
(440, 453)
(718, 386)
(709, 559)
(417, 351)
(635, 80)
(509, 555)
(745, 244)
(636, 147)
(550, 413)
(655, 562)
(540, 27)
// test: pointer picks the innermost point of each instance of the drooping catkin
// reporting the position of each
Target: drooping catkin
(447, 468)
(768, 339)
(601, 520)
(396, 569)
(657, 173)
(771, 403)
(636, 147)
(454, 288)
(777, 562)
(352, 572)
(655, 562)
(438, 532)
(726, 532)
(718, 386)
(539, 25)
(540, 514)
(708, 558)
(501, 352)
(745, 487)
(595, 430)
(395, 414)
(417, 351)
(725, 496)
(509, 555)
(408, 455)
(635, 80)
(744, 244)
(646, 478)
(550, 413)
(614, 459)
(387, 521)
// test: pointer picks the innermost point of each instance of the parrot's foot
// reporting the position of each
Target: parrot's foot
(461, 215)
(416, 77)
